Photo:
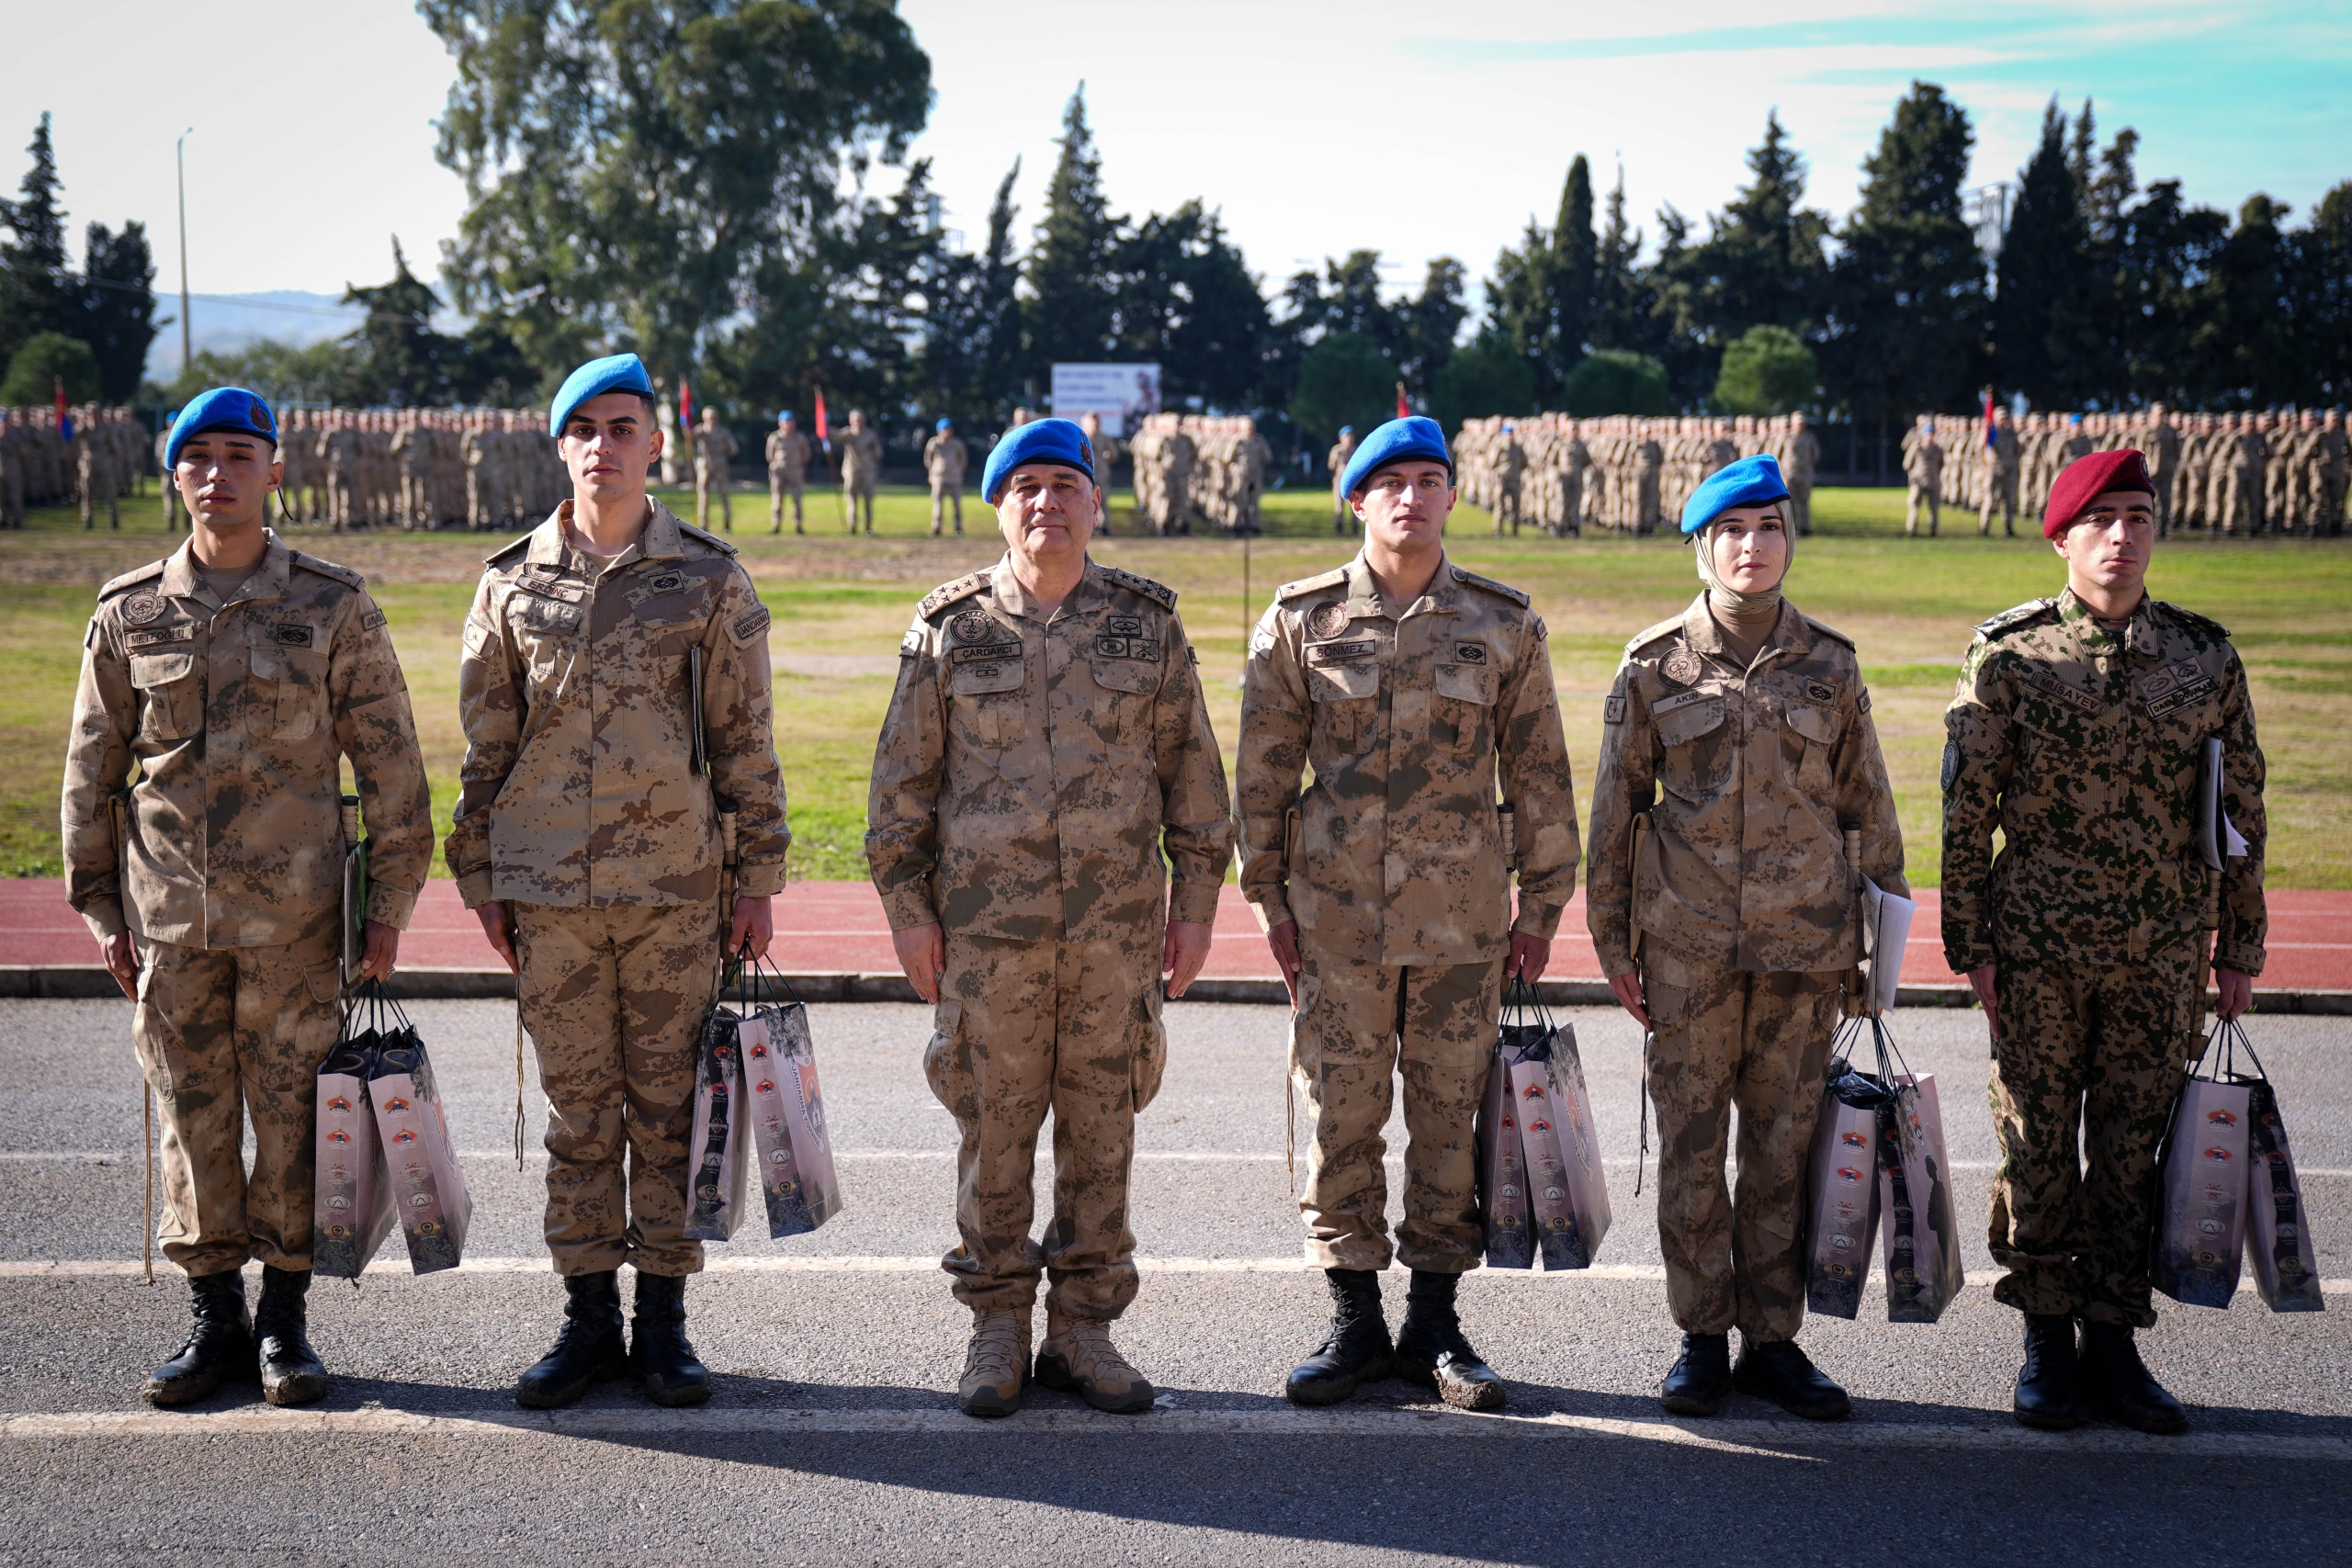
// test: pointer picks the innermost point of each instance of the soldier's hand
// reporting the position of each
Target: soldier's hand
(1980, 980)
(498, 927)
(922, 953)
(1529, 954)
(1284, 940)
(754, 923)
(121, 959)
(2236, 989)
(1627, 989)
(1182, 953)
(381, 954)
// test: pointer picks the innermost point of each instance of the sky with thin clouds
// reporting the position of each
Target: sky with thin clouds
(1417, 130)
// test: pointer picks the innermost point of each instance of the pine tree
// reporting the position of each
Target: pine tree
(1575, 261)
(117, 306)
(36, 295)
(1000, 310)
(2043, 272)
(1072, 282)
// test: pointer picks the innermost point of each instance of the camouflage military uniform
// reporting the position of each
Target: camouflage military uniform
(1344, 516)
(1028, 775)
(1923, 467)
(581, 809)
(715, 449)
(2084, 750)
(1400, 877)
(226, 863)
(2000, 483)
(861, 472)
(1510, 473)
(943, 458)
(787, 455)
(1749, 916)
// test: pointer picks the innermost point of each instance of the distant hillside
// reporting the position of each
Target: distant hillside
(229, 320)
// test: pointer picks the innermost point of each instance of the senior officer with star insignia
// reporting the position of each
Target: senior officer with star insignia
(1045, 745)
(1414, 688)
(237, 676)
(2080, 731)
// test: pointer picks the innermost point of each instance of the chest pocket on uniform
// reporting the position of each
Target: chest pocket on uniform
(1697, 749)
(986, 695)
(1132, 682)
(1815, 732)
(171, 694)
(1465, 702)
(1345, 695)
(289, 690)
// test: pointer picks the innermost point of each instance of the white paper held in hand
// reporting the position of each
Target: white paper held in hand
(1887, 927)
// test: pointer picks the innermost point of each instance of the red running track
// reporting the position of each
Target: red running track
(832, 928)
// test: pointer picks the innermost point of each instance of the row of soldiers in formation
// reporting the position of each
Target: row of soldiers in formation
(1188, 466)
(1621, 473)
(2224, 473)
(93, 459)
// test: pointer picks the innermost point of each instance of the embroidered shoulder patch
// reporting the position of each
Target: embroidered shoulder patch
(748, 624)
(142, 607)
(1863, 703)
(1612, 710)
(371, 620)
(972, 626)
(1681, 667)
(1327, 620)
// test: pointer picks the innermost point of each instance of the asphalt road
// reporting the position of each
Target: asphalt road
(833, 1436)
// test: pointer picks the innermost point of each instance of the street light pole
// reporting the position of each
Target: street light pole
(179, 151)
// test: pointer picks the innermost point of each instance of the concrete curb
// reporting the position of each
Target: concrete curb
(86, 982)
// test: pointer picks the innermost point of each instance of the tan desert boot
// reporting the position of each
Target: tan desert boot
(996, 1363)
(1078, 1356)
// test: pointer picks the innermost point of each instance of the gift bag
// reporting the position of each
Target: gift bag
(1922, 1233)
(352, 1203)
(2202, 1182)
(790, 1142)
(1502, 1167)
(1841, 1207)
(2278, 1237)
(1567, 1193)
(428, 1188)
(714, 1147)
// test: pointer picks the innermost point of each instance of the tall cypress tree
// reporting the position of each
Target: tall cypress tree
(1575, 265)
(1072, 284)
(999, 309)
(2042, 270)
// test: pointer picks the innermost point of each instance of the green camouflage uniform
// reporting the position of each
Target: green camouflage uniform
(2084, 750)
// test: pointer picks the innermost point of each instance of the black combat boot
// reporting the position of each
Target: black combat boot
(1700, 1377)
(658, 1351)
(220, 1346)
(1779, 1372)
(1433, 1351)
(2045, 1396)
(590, 1349)
(291, 1373)
(1356, 1351)
(2115, 1382)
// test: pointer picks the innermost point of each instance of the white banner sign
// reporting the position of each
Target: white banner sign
(1122, 396)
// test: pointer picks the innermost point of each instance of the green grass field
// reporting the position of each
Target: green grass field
(840, 604)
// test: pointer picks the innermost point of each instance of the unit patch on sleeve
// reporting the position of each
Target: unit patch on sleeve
(748, 624)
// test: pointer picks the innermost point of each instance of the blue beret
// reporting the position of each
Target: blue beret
(1751, 481)
(946, 424)
(222, 408)
(1398, 441)
(1347, 430)
(1039, 441)
(614, 373)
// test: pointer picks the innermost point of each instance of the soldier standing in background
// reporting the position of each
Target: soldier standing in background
(715, 449)
(587, 840)
(1510, 470)
(787, 456)
(94, 471)
(1344, 516)
(2079, 731)
(943, 458)
(1923, 467)
(1741, 730)
(1106, 456)
(2163, 465)
(861, 469)
(1804, 461)
(2000, 477)
(1047, 740)
(1413, 688)
(237, 675)
(2335, 473)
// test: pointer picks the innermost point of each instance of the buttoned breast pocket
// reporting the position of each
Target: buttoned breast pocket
(1698, 749)
(171, 694)
(1127, 687)
(985, 700)
(1344, 696)
(1465, 705)
(1811, 736)
(288, 695)
(543, 629)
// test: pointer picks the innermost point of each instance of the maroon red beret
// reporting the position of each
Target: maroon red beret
(2087, 478)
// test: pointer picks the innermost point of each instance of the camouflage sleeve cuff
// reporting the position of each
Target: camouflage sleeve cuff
(762, 880)
(104, 916)
(1537, 919)
(390, 906)
(1960, 960)
(473, 886)
(1273, 906)
(909, 906)
(2244, 957)
(1194, 901)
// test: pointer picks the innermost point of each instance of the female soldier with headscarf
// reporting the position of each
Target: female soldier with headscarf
(1739, 733)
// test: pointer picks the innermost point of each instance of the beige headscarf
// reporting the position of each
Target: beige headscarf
(1727, 601)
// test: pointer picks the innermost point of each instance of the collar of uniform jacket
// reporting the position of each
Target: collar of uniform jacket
(1006, 592)
(268, 580)
(1791, 634)
(1442, 597)
(2138, 632)
(551, 540)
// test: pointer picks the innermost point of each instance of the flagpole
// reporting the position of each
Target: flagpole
(179, 152)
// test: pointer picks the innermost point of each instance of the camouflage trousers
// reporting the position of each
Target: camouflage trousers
(1932, 495)
(2001, 495)
(614, 1000)
(1359, 1025)
(852, 491)
(1022, 1027)
(224, 1034)
(708, 483)
(1758, 1039)
(945, 493)
(2101, 1048)
(781, 483)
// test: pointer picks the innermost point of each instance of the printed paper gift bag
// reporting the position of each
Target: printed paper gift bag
(2204, 1183)
(715, 1148)
(1922, 1233)
(1568, 1191)
(428, 1188)
(1502, 1167)
(792, 1145)
(352, 1203)
(1841, 1207)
